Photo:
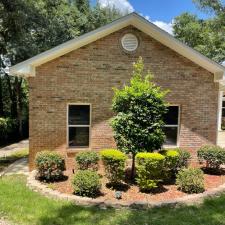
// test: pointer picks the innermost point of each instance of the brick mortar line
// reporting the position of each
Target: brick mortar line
(193, 199)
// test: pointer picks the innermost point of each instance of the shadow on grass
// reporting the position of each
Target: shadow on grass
(211, 212)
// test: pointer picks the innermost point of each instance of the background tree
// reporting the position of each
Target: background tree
(139, 109)
(28, 27)
(206, 36)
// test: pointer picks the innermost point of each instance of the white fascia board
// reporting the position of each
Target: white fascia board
(27, 68)
(176, 45)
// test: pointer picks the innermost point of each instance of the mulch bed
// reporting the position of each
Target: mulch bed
(131, 192)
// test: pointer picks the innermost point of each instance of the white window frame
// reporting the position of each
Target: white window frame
(178, 130)
(68, 126)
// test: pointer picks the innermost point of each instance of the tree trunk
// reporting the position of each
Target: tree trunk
(132, 167)
(12, 96)
(1, 100)
(19, 106)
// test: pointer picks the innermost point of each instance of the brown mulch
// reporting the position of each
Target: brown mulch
(132, 193)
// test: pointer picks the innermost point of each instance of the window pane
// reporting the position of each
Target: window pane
(79, 136)
(171, 117)
(79, 115)
(223, 112)
(171, 135)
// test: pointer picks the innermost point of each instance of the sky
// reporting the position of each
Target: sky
(160, 12)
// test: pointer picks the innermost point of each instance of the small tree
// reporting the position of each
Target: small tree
(140, 107)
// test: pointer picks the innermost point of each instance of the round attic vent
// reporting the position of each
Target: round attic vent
(129, 42)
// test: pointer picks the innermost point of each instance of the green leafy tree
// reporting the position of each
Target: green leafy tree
(28, 27)
(206, 36)
(139, 109)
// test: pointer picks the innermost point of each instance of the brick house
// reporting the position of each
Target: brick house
(70, 88)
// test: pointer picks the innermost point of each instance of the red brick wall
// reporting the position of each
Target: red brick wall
(88, 74)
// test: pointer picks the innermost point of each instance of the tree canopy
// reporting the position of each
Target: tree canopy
(206, 36)
(28, 27)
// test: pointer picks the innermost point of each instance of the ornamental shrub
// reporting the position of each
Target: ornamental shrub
(170, 163)
(214, 156)
(140, 108)
(114, 163)
(86, 183)
(190, 180)
(149, 170)
(184, 156)
(50, 165)
(87, 160)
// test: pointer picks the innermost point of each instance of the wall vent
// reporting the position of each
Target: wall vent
(129, 42)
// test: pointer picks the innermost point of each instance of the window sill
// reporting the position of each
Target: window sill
(170, 146)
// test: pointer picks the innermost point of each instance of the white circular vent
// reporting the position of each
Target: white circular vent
(129, 42)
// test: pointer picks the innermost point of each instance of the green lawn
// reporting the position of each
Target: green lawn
(23, 206)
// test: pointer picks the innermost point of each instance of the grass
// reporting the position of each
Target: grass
(7, 160)
(23, 206)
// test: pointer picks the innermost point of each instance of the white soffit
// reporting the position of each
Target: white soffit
(27, 68)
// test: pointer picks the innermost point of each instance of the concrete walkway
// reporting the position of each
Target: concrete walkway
(18, 167)
(8, 150)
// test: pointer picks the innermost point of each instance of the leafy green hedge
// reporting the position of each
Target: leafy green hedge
(149, 170)
(86, 183)
(87, 160)
(170, 164)
(190, 180)
(50, 165)
(114, 163)
(213, 156)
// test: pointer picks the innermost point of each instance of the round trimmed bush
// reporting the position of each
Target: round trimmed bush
(214, 156)
(190, 180)
(170, 163)
(87, 160)
(86, 183)
(50, 165)
(149, 170)
(114, 163)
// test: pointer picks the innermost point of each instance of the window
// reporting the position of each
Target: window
(171, 127)
(223, 114)
(78, 126)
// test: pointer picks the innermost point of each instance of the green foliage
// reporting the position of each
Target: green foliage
(170, 163)
(86, 183)
(50, 165)
(149, 170)
(214, 156)
(184, 156)
(87, 160)
(139, 109)
(206, 36)
(29, 27)
(114, 163)
(190, 180)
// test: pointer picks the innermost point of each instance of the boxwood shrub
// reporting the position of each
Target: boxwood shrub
(50, 165)
(149, 170)
(190, 180)
(213, 156)
(86, 183)
(87, 160)
(170, 163)
(114, 163)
